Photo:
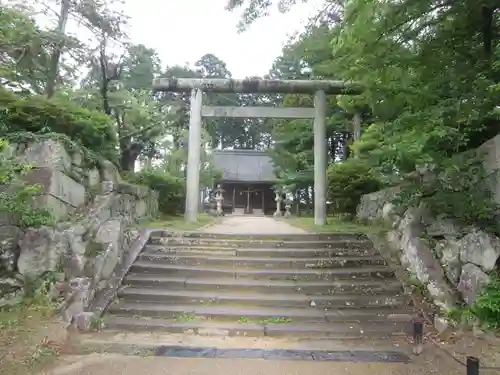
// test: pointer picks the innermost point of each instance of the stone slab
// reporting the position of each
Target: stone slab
(56, 206)
(283, 354)
(49, 153)
(56, 184)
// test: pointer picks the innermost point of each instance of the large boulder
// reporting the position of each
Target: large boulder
(418, 258)
(471, 282)
(371, 206)
(59, 192)
(42, 250)
(48, 154)
(443, 228)
(450, 259)
(109, 172)
(111, 237)
(480, 248)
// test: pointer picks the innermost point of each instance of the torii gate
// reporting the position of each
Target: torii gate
(320, 88)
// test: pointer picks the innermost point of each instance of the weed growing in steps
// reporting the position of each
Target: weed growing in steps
(243, 320)
(185, 317)
(272, 320)
(276, 320)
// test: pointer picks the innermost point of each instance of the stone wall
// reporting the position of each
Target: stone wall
(96, 214)
(450, 260)
(491, 153)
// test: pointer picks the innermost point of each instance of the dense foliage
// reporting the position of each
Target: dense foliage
(98, 94)
(431, 72)
(487, 306)
(430, 69)
(37, 114)
(171, 190)
(16, 197)
(348, 182)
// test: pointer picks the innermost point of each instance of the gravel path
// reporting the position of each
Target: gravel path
(252, 225)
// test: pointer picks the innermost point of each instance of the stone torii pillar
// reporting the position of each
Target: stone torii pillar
(196, 86)
(194, 157)
(320, 155)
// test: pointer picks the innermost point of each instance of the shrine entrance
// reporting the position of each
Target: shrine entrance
(250, 198)
(319, 88)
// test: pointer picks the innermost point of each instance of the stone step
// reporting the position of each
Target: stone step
(261, 237)
(255, 299)
(368, 272)
(236, 314)
(261, 244)
(258, 252)
(303, 330)
(316, 287)
(262, 262)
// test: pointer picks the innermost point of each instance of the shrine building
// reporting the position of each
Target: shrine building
(247, 180)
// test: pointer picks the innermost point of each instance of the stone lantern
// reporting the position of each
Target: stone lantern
(219, 198)
(278, 200)
(288, 206)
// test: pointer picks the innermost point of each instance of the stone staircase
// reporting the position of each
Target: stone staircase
(302, 285)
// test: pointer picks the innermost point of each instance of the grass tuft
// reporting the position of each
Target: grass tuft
(333, 225)
(179, 223)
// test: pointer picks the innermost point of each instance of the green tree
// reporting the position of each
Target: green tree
(431, 76)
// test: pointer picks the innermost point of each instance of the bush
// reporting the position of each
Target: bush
(347, 182)
(37, 114)
(487, 305)
(458, 188)
(17, 198)
(485, 310)
(171, 189)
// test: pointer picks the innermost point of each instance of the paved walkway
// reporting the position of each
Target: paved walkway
(252, 225)
(111, 364)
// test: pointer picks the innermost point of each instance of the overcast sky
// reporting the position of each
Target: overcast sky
(184, 30)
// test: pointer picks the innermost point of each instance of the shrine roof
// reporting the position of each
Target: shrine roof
(244, 165)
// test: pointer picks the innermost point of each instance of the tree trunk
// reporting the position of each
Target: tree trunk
(488, 30)
(346, 146)
(104, 80)
(129, 155)
(307, 200)
(356, 129)
(296, 198)
(53, 73)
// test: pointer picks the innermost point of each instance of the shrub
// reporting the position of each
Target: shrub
(37, 114)
(17, 198)
(459, 188)
(347, 182)
(171, 189)
(487, 306)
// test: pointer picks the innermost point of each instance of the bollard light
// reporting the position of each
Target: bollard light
(472, 366)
